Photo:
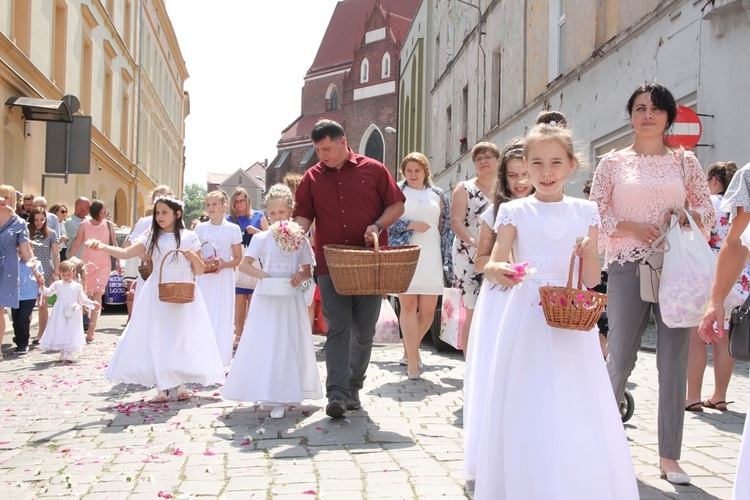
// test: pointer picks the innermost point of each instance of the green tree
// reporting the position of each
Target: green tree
(194, 196)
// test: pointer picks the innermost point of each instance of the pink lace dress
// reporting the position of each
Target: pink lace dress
(630, 187)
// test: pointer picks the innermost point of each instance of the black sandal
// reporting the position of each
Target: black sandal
(696, 407)
(715, 406)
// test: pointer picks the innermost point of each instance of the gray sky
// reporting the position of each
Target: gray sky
(237, 112)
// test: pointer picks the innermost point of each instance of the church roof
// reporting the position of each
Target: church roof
(346, 29)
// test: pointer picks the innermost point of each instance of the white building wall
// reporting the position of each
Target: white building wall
(682, 51)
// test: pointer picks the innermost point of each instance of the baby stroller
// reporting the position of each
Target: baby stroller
(627, 403)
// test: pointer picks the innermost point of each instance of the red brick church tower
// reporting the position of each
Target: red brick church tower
(352, 80)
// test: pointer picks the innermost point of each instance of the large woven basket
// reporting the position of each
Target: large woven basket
(572, 308)
(211, 264)
(175, 292)
(371, 271)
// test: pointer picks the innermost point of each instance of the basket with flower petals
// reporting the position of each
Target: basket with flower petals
(572, 308)
(211, 264)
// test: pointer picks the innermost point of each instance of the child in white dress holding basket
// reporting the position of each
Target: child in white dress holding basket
(166, 344)
(221, 246)
(276, 364)
(64, 331)
(573, 445)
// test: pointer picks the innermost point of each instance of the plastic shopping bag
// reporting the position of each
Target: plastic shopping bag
(687, 276)
(386, 329)
(452, 318)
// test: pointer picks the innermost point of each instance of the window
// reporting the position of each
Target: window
(496, 86)
(448, 135)
(437, 58)
(334, 99)
(556, 38)
(124, 121)
(375, 147)
(59, 43)
(21, 25)
(308, 155)
(364, 71)
(282, 159)
(128, 18)
(107, 104)
(385, 66)
(86, 66)
(464, 118)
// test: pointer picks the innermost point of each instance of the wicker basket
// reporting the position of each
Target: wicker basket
(371, 271)
(211, 264)
(572, 308)
(175, 292)
(145, 269)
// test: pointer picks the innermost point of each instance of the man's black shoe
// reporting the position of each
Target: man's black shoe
(336, 407)
(353, 403)
(22, 350)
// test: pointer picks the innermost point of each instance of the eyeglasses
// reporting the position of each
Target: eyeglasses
(480, 159)
(240, 200)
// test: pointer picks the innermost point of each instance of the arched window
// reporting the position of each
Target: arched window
(334, 99)
(385, 67)
(364, 71)
(375, 147)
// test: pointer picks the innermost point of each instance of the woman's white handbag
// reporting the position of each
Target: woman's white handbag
(276, 287)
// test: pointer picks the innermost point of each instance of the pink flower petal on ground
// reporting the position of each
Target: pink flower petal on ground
(164, 495)
(308, 492)
(215, 393)
(177, 452)
(246, 443)
(318, 428)
(4, 442)
(209, 453)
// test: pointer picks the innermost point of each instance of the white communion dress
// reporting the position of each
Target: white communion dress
(482, 335)
(275, 361)
(218, 288)
(550, 426)
(64, 330)
(167, 344)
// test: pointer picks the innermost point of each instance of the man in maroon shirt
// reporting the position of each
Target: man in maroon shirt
(349, 197)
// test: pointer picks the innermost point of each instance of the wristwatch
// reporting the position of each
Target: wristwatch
(377, 225)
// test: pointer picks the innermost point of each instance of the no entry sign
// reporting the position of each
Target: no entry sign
(686, 129)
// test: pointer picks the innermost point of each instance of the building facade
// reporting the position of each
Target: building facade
(353, 80)
(121, 59)
(497, 64)
(251, 178)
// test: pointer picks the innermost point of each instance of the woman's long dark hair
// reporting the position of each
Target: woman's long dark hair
(156, 229)
(44, 230)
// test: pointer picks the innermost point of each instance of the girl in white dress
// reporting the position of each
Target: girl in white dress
(143, 225)
(512, 183)
(165, 344)
(223, 240)
(550, 452)
(64, 331)
(276, 363)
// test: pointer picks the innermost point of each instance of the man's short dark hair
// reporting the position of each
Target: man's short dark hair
(327, 128)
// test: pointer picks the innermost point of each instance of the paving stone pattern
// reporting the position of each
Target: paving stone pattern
(66, 431)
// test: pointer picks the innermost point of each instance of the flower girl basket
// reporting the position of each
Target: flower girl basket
(145, 269)
(572, 308)
(176, 292)
(211, 264)
(371, 271)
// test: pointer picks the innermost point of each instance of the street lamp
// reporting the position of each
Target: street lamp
(389, 130)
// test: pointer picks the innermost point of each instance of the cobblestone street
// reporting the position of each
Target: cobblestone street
(66, 431)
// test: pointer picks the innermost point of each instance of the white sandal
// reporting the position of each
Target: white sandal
(182, 393)
(161, 396)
